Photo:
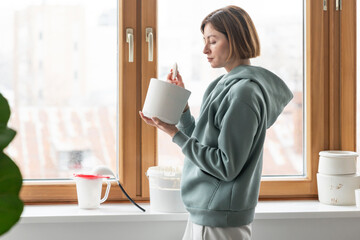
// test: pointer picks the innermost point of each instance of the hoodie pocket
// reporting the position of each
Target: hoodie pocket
(213, 195)
(198, 189)
(221, 199)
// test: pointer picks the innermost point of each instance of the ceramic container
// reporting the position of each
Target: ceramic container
(337, 162)
(337, 189)
(357, 197)
(165, 101)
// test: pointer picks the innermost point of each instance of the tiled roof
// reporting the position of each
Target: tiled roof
(54, 143)
(46, 137)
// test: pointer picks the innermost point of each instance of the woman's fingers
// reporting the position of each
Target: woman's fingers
(167, 128)
(159, 124)
(168, 77)
(170, 80)
(146, 119)
(177, 80)
(152, 121)
(155, 122)
(180, 81)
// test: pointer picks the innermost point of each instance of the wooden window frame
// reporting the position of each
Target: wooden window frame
(330, 92)
(137, 142)
(330, 102)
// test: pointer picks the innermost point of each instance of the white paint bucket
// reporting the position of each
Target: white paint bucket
(165, 189)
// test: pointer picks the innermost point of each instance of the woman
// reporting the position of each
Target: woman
(223, 150)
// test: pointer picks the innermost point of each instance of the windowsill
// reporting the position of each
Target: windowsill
(128, 213)
(121, 212)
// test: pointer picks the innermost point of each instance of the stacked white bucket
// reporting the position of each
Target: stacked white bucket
(165, 189)
(337, 178)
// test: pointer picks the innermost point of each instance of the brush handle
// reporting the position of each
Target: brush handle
(175, 71)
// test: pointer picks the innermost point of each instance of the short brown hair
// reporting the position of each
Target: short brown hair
(239, 30)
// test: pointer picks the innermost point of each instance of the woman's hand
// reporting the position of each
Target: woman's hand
(178, 82)
(167, 128)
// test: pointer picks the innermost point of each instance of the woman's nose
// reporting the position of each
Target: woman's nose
(206, 49)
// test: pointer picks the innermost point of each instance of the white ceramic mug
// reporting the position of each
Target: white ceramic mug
(165, 101)
(88, 188)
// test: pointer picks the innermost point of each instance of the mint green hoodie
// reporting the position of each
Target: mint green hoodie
(224, 148)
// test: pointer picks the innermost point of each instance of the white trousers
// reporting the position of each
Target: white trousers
(199, 232)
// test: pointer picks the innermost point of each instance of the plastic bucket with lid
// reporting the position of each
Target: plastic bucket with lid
(165, 189)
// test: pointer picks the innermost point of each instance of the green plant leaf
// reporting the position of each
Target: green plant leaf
(6, 136)
(10, 211)
(10, 176)
(11, 206)
(4, 110)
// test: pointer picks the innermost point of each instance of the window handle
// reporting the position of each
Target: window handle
(149, 37)
(338, 5)
(130, 41)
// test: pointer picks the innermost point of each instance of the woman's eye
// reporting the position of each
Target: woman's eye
(212, 42)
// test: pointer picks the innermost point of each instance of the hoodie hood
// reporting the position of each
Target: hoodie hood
(276, 93)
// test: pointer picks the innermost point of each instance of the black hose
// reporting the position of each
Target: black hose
(123, 190)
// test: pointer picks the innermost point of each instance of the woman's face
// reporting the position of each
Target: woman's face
(216, 47)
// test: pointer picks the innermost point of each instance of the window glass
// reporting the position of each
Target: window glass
(280, 28)
(58, 68)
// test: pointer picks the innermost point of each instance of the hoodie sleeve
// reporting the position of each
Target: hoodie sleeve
(238, 128)
(186, 123)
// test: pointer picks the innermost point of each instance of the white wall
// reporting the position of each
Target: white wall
(97, 231)
(300, 229)
(274, 220)
(268, 229)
